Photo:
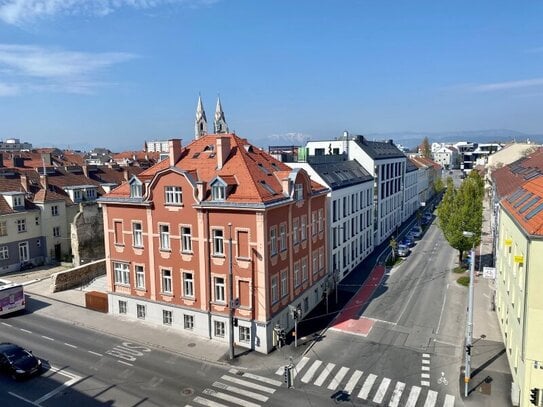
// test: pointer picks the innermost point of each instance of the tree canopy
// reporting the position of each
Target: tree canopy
(461, 210)
(425, 149)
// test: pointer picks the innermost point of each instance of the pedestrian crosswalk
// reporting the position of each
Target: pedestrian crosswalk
(367, 386)
(238, 388)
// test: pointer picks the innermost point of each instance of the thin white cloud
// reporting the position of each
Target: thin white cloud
(35, 68)
(20, 12)
(492, 87)
(7, 89)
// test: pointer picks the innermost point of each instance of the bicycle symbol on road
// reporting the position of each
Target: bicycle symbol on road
(442, 379)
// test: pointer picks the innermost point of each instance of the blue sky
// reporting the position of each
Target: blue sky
(113, 73)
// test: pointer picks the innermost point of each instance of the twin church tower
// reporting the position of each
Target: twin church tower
(200, 124)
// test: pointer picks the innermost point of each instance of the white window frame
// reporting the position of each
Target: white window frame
(186, 239)
(173, 195)
(299, 192)
(321, 220)
(305, 273)
(218, 242)
(303, 228)
(167, 317)
(3, 228)
(141, 311)
(274, 290)
(166, 281)
(188, 322)
(297, 277)
(137, 234)
(56, 231)
(164, 231)
(295, 227)
(136, 190)
(121, 273)
(123, 307)
(284, 283)
(245, 334)
(188, 284)
(54, 210)
(139, 273)
(219, 329)
(314, 223)
(315, 263)
(282, 237)
(4, 253)
(219, 290)
(21, 225)
(218, 192)
(17, 201)
(24, 254)
(273, 241)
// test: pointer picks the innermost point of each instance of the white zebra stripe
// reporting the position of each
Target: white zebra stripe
(338, 378)
(425, 383)
(262, 379)
(245, 383)
(365, 390)
(431, 399)
(208, 403)
(303, 361)
(311, 371)
(324, 374)
(381, 391)
(349, 387)
(228, 397)
(397, 394)
(413, 396)
(449, 401)
(241, 392)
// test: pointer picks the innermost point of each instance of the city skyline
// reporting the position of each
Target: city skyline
(283, 71)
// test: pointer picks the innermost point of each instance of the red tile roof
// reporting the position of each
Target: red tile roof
(508, 178)
(257, 174)
(528, 212)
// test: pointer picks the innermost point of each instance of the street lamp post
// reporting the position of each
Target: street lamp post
(231, 295)
(469, 322)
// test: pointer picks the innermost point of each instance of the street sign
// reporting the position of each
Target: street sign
(489, 272)
(234, 303)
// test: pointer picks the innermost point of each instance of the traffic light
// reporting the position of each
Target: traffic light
(534, 396)
(287, 376)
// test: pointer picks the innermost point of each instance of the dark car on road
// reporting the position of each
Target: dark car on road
(18, 362)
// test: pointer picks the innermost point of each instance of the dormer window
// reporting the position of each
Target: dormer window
(17, 200)
(299, 192)
(218, 192)
(91, 194)
(136, 190)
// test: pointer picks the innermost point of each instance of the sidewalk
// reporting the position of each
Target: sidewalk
(489, 359)
(69, 306)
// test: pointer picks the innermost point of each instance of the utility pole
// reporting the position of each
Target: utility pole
(231, 294)
(469, 322)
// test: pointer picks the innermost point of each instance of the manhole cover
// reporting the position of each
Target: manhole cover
(191, 345)
(187, 392)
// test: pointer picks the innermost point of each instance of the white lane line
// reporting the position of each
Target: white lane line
(6, 324)
(74, 379)
(324, 374)
(425, 368)
(228, 397)
(303, 361)
(125, 363)
(425, 362)
(241, 392)
(95, 353)
(245, 383)
(424, 383)
(431, 399)
(262, 379)
(442, 309)
(425, 375)
(425, 355)
(349, 387)
(365, 390)
(381, 391)
(338, 378)
(22, 398)
(70, 345)
(413, 396)
(208, 403)
(397, 394)
(311, 371)
(25, 330)
(449, 401)
(48, 338)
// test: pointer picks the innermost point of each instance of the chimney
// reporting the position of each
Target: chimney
(391, 142)
(174, 147)
(43, 181)
(223, 150)
(46, 158)
(126, 175)
(201, 189)
(285, 185)
(85, 170)
(24, 182)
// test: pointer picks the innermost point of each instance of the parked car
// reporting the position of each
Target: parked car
(408, 241)
(403, 250)
(18, 362)
(416, 231)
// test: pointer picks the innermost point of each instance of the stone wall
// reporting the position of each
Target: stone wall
(77, 276)
(87, 234)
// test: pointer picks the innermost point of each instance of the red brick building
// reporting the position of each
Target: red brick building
(169, 233)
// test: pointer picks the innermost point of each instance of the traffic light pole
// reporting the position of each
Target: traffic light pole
(231, 294)
(469, 327)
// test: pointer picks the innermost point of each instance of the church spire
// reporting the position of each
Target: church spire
(200, 124)
(219, 124)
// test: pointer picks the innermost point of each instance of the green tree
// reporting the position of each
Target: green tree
(462, 210)
(438, 185)
(425, 148)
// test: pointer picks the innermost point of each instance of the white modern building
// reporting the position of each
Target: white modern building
(411, 190)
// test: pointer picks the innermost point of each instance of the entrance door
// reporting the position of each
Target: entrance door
(57, 252)
(23, 252)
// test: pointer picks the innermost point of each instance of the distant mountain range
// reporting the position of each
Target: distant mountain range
(411, 139)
